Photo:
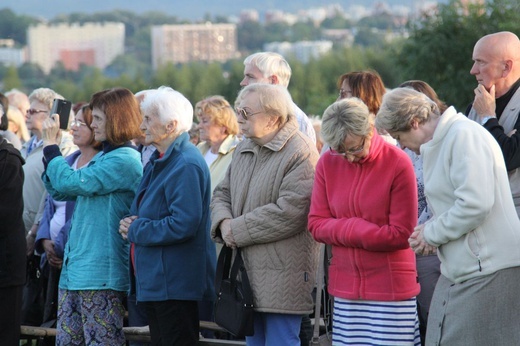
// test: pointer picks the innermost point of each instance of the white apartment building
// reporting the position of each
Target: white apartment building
(193, 42)
(92, 44)
(10, 55)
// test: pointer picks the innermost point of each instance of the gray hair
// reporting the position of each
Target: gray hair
(274, 100)
(45, 95)
(347, 117)
(270, 63)
(169, 104)
(402, 105)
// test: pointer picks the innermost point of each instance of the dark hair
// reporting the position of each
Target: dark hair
(123, 115)
(426, 89)
(4, 122)
(87, 117)
(367, 86)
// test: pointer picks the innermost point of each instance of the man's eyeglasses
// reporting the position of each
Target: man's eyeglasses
(352, 151)
(32, 111)
(77, 123)
(245, 114)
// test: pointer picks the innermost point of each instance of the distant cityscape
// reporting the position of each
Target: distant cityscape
(97, 44)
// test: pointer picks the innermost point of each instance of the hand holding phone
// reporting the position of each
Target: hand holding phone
(62, 108)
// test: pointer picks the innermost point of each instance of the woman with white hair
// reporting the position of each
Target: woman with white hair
(261, 208)
(364, 204)
(172, 255)
(474, 227)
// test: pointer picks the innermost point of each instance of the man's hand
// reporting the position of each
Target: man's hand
(484, 103)
(30, 240)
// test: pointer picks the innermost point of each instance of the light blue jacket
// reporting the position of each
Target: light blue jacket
(96, 256)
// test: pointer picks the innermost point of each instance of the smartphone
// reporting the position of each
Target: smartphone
(62, 108)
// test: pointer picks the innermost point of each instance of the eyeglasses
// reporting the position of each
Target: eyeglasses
(245, 114)
(352, 151)
(77, 123)
(32, 111)
(345, 93)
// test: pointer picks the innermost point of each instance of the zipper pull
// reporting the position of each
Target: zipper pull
(479, 266)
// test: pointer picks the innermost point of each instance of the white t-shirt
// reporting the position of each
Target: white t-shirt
(210, 157)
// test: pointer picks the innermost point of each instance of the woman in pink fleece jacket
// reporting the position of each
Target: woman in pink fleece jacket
(364, 204)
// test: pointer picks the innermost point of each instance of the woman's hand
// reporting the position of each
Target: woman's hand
(124, 225)
(52, 258)
(227, 235)
(51, 133)
(418, 244)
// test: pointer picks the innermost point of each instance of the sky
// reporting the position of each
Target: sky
(183, 9)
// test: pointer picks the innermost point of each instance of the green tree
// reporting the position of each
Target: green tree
(11, 79)
(440, 46)
(14, 26)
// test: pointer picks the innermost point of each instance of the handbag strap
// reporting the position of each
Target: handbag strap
(238, 265)
(223, 265)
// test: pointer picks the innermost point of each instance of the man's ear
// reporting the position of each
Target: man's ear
(415, 124)
(274, 79)
(508, 67)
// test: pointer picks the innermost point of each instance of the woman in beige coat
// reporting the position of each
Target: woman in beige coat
(261, 207)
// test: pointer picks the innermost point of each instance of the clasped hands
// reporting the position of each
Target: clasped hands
(227, 235)
(418, 244)
(124, 225)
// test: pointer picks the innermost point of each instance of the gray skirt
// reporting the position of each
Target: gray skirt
(480, 311)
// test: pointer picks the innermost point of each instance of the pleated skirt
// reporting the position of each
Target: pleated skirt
(365, 322)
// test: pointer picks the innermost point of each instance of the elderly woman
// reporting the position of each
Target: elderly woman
(474, 226)
(218, 128)
(364, 204)
(428, 266)
(261, 207)
(173, 256)
(94, 276)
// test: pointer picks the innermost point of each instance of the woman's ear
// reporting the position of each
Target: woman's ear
(171, 126)
(414, 124)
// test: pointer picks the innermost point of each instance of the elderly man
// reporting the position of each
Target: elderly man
(497, 98)
(272, 68)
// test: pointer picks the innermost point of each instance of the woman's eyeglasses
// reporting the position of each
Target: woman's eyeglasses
(352, 151)
(244, 113)
(32, 111)
(77, 123)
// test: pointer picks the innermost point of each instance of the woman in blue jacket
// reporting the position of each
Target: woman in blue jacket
(94, 275)
(173, 255)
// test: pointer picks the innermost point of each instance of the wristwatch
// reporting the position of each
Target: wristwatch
(485, 119)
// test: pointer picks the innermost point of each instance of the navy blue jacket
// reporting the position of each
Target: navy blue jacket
(174, 255)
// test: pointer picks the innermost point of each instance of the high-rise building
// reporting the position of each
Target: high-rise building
(193, 42)
(92, 44)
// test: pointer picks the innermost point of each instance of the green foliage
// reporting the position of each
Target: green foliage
(336, 22)
(13, 26)
(11, 79)
(440, 46)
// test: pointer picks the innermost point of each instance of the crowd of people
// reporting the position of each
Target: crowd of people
(128, 209)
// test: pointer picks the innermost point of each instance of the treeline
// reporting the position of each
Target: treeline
(438, 51)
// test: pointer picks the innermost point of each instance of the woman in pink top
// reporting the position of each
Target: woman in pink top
(364, 204)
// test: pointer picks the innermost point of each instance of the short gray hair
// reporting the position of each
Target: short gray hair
(402, 105)
(45, 95)
(274, 100)
(169, 104)
(347, 117)
(270, 63)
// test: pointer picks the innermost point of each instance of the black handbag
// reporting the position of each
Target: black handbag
(234, 304)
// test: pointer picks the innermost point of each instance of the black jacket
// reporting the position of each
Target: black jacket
(12, 230)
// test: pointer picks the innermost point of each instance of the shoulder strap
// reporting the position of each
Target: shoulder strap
(238, 265)
(223, 265)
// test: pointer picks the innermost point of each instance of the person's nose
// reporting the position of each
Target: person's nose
(244, 83)
(474, 69)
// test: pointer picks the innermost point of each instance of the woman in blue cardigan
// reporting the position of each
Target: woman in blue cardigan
(173, 256)
(94, 275)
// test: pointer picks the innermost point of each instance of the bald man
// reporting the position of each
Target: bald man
(497, 98)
